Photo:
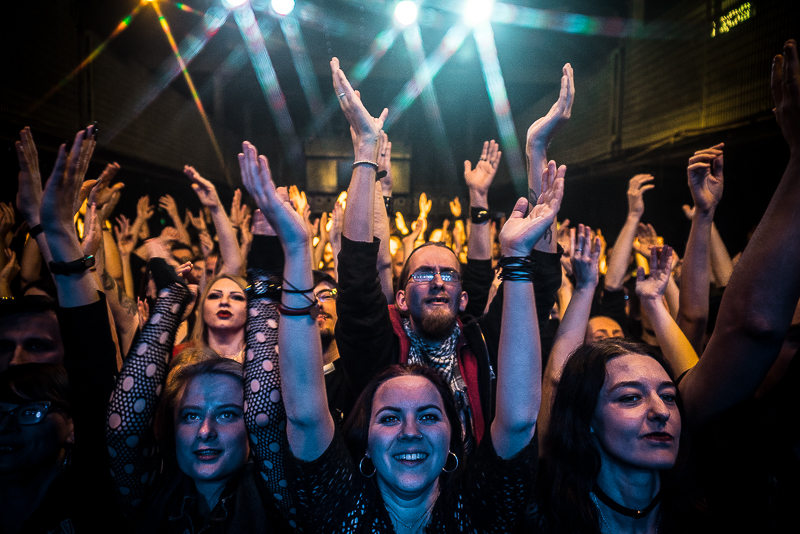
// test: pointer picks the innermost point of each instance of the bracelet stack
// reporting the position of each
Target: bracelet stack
(312, 309)
(516, 269)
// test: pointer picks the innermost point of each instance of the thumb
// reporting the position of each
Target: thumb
(519, 208)
(467, 166)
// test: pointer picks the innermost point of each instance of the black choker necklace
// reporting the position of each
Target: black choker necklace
(630, 512)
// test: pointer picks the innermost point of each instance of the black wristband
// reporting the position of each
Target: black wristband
(516, 269)
(478, 215)
(72, 267)
(163, 274)
(389, 203)
(35, 230)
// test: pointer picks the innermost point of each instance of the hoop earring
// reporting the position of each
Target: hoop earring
(449, 453)
(361, 469)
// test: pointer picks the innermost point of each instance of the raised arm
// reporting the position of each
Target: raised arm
(228, 242)
(705, 182)
(761, 296)
(519, 365)
(478, 181)
(265, 416)
(168, 204)
(366, 133)
(133, 405)
(572, 330)
(76, 286)
(29, 194)
(540, 134)
(621, 253)
(309, 426)
(674, 344)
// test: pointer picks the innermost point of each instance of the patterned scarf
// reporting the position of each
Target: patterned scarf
(442, 357)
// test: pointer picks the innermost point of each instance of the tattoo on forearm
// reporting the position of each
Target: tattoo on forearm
(125, 302)
(548, 235)
(107, 281)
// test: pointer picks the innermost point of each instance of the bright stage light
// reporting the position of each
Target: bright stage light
(476, 12)
(233, 4)
(406, 12)
(283, 7)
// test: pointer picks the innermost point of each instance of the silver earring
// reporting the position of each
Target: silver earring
(450, 453)
(361, 468)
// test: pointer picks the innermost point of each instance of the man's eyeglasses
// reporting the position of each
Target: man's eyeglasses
(27, 414)
(427, 275)
(327, 294)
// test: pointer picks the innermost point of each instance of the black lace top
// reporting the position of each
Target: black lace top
(487, 496)
(137, 467)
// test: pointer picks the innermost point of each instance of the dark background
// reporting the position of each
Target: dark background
(647, 96)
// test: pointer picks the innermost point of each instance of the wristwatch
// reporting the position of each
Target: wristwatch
(72, 267)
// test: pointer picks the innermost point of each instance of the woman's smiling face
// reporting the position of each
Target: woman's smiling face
(409, 435)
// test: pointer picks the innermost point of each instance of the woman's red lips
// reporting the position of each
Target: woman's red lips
(224, 314)
(659, 436)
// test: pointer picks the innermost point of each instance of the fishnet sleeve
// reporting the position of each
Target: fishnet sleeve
(264, 413)
(133, 403)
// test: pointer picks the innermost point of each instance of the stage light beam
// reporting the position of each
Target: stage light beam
(496, 87)
(282, 7)
(476, 12)
(233, 4)
(190, 83)
(425, 74)
(406, 12)
(268, 80)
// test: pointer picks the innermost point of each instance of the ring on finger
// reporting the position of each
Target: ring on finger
(341, 95)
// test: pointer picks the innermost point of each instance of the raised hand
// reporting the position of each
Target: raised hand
(365, 128)
(204, 189)
(101, 193)
(337, 222)
(455, 208)
(29, 194)
(400, 223)
(542, 131)
(143, 208)
(636, 188)
(585, 257)
(274, 203)
(646, 238)
(93, 232)
(705, 177)
(6, 220)
(54, 213)
(688, 211)
(424, 206)
(236, 215)
(480, 178)
(520, 232)
(168, 204)
(125, 240)
(198, 222)
(785, 84)
(654, 286)
(385, 164)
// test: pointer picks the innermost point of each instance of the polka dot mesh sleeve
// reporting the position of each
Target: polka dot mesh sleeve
(264, 413)
(133, 403)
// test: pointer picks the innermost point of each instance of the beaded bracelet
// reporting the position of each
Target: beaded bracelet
(366, 162)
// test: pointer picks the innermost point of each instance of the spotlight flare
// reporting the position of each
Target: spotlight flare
(283, 7)
(233, 4)
(476, 12)
(406, 12)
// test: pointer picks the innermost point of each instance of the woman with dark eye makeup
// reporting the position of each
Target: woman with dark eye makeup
(221, 318)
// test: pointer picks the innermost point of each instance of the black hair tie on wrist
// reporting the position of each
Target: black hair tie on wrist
(516, 269)
(479, 215)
